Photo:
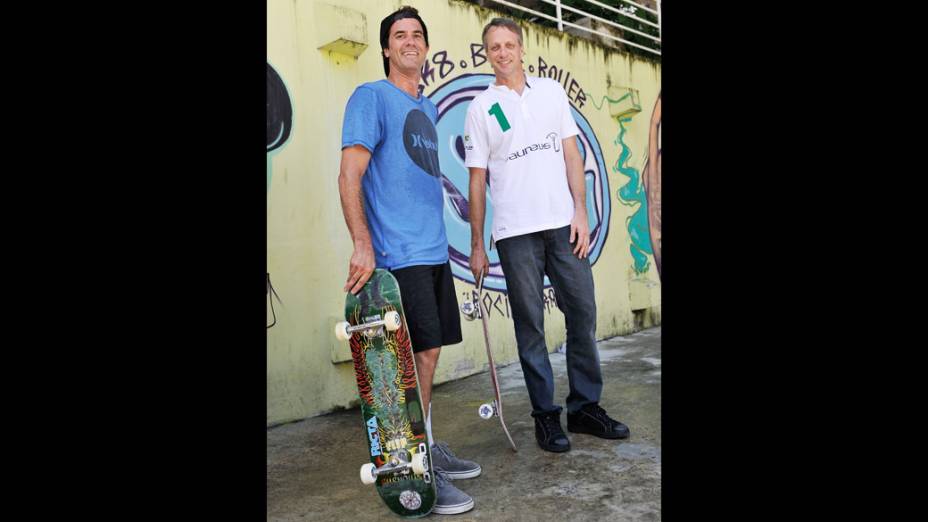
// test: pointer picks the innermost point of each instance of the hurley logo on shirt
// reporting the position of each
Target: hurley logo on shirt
(419, 141)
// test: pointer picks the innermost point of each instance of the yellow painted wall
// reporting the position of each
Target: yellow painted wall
(308, 244)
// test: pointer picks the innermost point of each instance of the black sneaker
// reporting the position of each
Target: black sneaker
(593, 420)
(549, 434)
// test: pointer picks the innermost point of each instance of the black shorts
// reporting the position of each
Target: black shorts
(430, 305)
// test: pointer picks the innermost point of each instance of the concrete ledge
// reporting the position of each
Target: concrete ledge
(340, 30)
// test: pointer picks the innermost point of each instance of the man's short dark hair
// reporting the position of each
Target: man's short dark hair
(502, 22)
(387, 23)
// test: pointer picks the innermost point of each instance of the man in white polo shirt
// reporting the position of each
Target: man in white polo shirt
(520, 129)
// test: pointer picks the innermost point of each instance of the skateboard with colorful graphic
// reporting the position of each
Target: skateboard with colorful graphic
(495, 407)
(394, 425)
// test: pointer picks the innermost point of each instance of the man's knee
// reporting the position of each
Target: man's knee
(429, 355)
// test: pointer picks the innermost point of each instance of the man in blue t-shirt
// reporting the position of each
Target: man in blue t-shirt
(391, 193)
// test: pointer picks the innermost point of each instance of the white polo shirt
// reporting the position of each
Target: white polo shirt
(518, 140)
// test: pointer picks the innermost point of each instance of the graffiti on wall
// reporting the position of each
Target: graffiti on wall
(632, 193)
(452, 99)
(279, 116)
(498, 302)
(279, 122)
(440, 67)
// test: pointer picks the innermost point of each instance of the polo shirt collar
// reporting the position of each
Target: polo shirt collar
(529, 80)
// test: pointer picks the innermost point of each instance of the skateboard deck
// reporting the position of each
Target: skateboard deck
(391, 409)
(494, 408)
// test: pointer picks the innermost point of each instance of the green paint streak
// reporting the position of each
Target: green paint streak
(603, 101)
(632, 194)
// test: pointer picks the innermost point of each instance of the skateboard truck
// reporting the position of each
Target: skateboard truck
(398, 464)
(488, 411)
(390, 321)
(469, 309)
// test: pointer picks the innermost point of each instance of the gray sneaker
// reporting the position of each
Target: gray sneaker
(454, 467)
(451, 500)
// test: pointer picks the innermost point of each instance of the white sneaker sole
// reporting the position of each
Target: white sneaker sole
(458, 475)
(454, 510)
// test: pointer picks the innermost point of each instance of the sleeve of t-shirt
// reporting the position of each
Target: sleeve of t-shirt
(362, 125)
(476, 148)
(568, 124)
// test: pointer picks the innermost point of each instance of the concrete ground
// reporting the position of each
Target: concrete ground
(312, 465)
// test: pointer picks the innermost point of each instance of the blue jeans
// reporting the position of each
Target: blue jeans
(526, 259)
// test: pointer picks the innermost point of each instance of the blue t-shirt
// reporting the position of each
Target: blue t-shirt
(403, 198)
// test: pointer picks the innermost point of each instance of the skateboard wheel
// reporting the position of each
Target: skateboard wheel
(469, 311)
(367, 474)
(419, 463)
(485, 411)
(391, 320)
(341, 331)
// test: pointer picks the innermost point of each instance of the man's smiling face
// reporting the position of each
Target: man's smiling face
(406, 46)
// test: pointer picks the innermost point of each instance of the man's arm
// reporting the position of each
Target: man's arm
(576, 180)
(479, 262)
(353, 165)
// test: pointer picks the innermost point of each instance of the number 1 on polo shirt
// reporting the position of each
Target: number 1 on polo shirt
(497, 111)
